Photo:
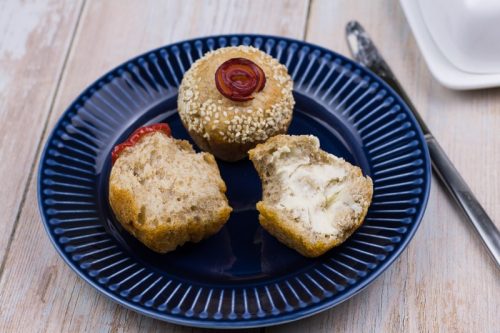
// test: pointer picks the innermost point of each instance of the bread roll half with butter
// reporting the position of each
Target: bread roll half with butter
(312, 201)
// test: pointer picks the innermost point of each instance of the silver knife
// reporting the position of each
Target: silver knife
(364, 51)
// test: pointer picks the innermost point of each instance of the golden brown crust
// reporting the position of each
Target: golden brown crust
(278, 221)
(276, 224)
(162, 238)
(174, 227)
(227, 128)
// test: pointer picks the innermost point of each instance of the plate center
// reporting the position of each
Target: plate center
(241, 250)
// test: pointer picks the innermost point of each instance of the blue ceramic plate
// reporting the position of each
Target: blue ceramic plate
(242, 276)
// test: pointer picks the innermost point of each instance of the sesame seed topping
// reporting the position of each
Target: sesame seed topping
(204, 111)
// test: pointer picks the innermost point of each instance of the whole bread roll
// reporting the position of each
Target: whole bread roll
(229, 128)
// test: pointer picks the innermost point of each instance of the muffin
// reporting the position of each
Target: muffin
(312, 200)
(234, 98)
(164, 193)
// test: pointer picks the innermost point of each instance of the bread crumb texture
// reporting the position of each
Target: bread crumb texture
(165, 194)
(312, 200)
(213, 119)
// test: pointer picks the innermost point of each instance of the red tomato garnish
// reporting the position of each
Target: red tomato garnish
(136, 136)
(238, 78)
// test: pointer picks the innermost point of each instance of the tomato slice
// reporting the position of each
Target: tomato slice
(239, 78)
(136, 136)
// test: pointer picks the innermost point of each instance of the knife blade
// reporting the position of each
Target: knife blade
(366, 53)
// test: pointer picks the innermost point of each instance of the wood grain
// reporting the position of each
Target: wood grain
(444, 281)
(34, 39)
(36, 284)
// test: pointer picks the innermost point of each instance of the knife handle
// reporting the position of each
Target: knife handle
(462, 194)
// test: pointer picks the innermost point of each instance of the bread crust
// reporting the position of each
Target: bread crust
(174, 228)
(279, 223)
(226, 128)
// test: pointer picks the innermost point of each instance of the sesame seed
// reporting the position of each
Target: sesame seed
(241, 124)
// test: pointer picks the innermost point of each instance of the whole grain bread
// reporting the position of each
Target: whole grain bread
(312, 201)
(165, 194)
(227, 128)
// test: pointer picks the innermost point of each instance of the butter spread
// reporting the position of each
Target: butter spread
(314, 193)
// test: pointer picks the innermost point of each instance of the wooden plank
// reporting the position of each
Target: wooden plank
(444, 281)
(34, 40)
(36, 283)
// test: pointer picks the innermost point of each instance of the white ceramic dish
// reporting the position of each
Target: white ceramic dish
(465, 64)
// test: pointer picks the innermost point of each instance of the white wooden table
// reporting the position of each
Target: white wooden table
(51, 50)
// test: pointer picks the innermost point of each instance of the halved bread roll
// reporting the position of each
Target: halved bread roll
(165, 194)
(312, 200)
